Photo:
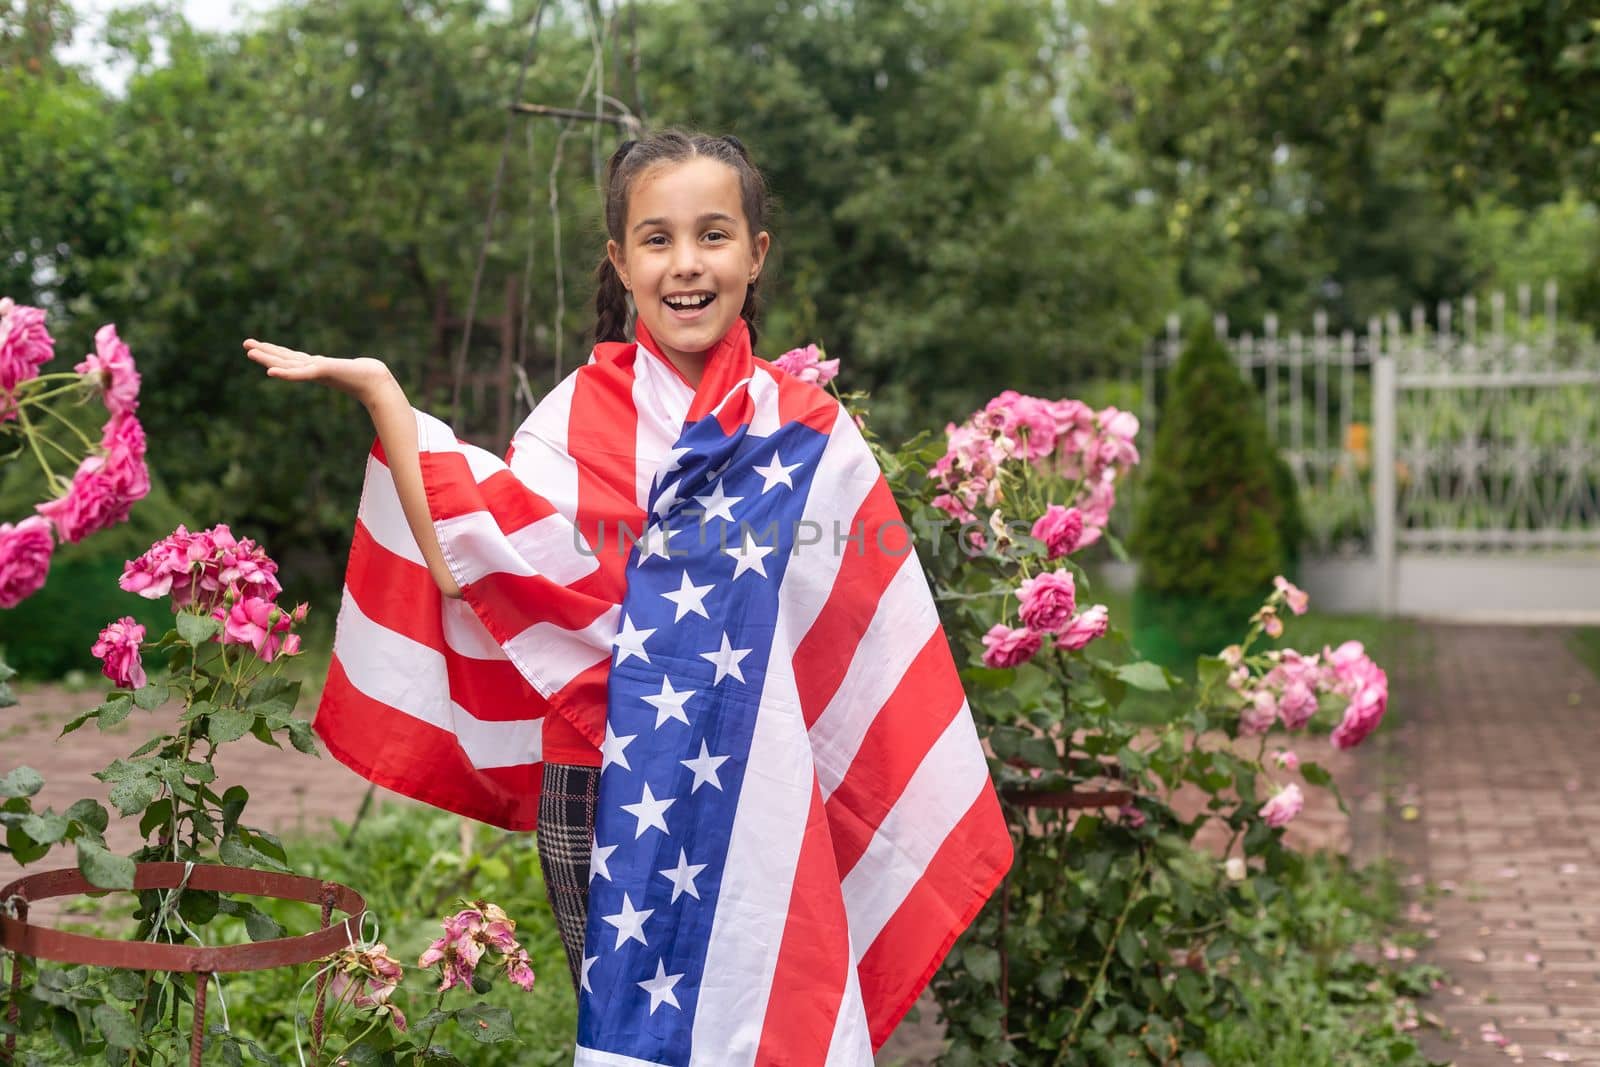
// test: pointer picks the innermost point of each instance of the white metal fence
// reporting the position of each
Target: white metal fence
(1447, 464)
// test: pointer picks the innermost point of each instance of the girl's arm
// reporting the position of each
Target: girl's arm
(370, 382)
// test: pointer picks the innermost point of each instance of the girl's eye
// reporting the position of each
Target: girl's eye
(655, 239)
(717, 235)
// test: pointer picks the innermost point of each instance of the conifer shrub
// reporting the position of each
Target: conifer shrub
(1209, 530)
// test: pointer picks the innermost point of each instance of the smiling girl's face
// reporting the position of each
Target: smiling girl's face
(687, 256)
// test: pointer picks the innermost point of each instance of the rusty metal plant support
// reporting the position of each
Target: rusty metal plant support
(23, 939)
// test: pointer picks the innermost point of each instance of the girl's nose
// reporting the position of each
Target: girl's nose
(686, 259)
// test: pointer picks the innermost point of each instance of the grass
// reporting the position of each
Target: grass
(1585, 644)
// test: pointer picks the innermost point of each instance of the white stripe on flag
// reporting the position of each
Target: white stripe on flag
(764, 420)
(941, 791)
(763, 848)
(905, 619)
(478, 547)
(851, 1044)
(662, 401)
(550, 656)
(381, 514)
(412, 678)
(465, 633)
(593, 1057)
(539, 455)
(845, 475)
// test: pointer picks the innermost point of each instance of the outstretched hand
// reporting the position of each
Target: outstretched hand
(363, 378)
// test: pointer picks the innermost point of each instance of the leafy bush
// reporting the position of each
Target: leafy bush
(1209, 533)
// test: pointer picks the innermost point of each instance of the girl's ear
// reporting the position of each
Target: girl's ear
(614, 254)
(763, 241)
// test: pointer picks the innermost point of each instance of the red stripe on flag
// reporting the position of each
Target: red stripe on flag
(863, 576)
(452, 492)
(905, 728)
(802, 402)
(963, 873)
(436, 770)
(814, 958)
(604, 417)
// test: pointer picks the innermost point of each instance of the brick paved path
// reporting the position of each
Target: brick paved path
(1492, 788)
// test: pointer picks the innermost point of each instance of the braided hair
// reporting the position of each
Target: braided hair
(628, 162)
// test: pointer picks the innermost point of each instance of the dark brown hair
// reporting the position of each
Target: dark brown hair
(628, 162)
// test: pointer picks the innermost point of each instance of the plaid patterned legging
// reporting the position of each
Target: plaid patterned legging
(565, 837)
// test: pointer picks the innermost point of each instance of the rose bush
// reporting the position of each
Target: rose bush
(1114, 938)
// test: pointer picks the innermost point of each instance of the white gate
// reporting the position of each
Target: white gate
(1446, 468)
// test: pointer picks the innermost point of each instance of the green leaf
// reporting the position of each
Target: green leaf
(24, 849)
(134, 794)
(261, 1055)
(196, 710)
(102, 868)
(197, 629)
(116, 1026)
(1128, 947)
(301, 737)
(982, 963)
(232, 1052)
(89, 813)
(487, 1024)
(1210, 670)
(261, 926)
(233, 801)
(198, 906)
(230, 724)
(1142, 675)
(114, 711)
(151, 697)
(77, 721)
(22, 782)
(1316, 774)
(126, 986)
(47, 828)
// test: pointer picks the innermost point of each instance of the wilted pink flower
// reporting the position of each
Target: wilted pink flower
(1060, 529)
(1294, 596)
(1271, 623)
(373, 975)
(24, 559)
(112, 363)
(1284, 806)
(96, 500)
(1130, 816)
(467, 935)
(1233, 655)
(1046, 602)
(519, 969)
(259, 623)
(1086, 626)
(1287, 760)
(25, 345)
(118, 652)
(808, 365)
(1006, 647)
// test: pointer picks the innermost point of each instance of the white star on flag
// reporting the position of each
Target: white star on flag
(629, 923)
(717, 504)
(600, 861)
(669, 703)
(667, 498)
(775, 472)
(588, 965)
(674, 460)
(660, 987)
(704, 767)
(654, 541)
(750, 555)
(630, 642)
(689, 598)
(682, 876)
(649, 812)
(727, 659)
(611, 750)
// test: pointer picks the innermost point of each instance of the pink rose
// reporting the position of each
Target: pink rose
(1047, 602)
(1297, 705)
(1097, 508)
(25, 345)
(1060, 529)
(1259, 713)
(94, 502)
(1271, 623)
(24, 559)
(1287, 760)
(808, 365)
(1284, 806)
(1130, 816)
(1085, 627)
(261, 624)
(1294, 596)
(1005, 647)
(123, 440)
(1026, 420)
(519, 968)
(1364, 712)
(111, 361)
(1116, 446)
(118, 652)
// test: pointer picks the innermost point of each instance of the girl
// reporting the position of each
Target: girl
(761, 808)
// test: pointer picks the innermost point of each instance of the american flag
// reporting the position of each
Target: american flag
(795, 818)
